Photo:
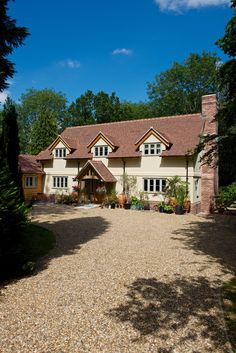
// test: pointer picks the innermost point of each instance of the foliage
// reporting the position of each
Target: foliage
(9, 143)
(172, 184)
(129, 183)
(112, 196)
(229, 307)
(180, 194)
(226, 115)
(44, 131)
(107, 108)
(226, 196)
(33, 104)
(81, 112)
(179, 89)
(13, 220)
(11, 37)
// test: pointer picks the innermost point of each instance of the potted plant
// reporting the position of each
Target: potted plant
(161, 206)
(180, 197)
(168, 209)
(112, 199)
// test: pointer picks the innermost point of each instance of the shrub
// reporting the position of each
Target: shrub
(226, 196)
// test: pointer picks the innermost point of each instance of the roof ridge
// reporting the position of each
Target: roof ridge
(133, 120)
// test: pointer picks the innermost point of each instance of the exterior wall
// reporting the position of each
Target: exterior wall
(30, 192)
(147, 166)
(59, 167)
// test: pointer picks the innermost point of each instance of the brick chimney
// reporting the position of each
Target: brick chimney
(209, 172)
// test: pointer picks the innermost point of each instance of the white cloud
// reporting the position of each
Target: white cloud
(122, 51)
(71, 64)
(180, 5)
(3, 96)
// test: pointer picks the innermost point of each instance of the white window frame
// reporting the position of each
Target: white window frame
(154, 185)
(31, 181)
(60, 152)
(60, 182)
(101, 151)
(152, 149)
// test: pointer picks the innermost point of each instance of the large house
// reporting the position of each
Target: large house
(152, 150)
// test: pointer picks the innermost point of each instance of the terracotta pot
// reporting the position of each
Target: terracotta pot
(187, 205)
(122, 198)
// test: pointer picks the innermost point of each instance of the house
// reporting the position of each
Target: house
(152, 150)
(32, 176)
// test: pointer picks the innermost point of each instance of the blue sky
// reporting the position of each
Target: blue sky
(110, 45)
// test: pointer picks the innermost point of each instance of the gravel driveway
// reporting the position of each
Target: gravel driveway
(122, 281)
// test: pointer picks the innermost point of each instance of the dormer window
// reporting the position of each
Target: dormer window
(152, 149)
(60, 152)
(101, 151)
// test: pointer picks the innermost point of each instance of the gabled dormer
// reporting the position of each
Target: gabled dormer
(60, 148)
(102, 145)
(152, 143)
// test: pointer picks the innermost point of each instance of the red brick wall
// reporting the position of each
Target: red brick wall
(209, 180)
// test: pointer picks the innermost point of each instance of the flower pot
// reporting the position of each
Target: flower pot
(179, 209)
(122, 198)
(127, 206)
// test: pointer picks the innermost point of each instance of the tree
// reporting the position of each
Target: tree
(227, 112)
(33, 103)
(11, 37)
(10, 144)
(107, 108)
(44, 131)
(133, 111)
(179, 89)
(81, 112)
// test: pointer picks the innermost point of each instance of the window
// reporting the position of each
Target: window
(101, 151)
(60, 152)
(31, 181)
(60, 182)
(152, 149)
(154, 185)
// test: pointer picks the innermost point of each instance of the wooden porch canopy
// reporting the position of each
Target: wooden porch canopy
(96, 170)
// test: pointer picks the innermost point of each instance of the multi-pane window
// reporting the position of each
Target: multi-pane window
(31, 181)
(154, 185)
(152, 148)
(101, 151)
(60, 152)
(60, 181)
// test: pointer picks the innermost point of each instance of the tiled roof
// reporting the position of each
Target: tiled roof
(183, 131)
(28, 164)
(100, 168)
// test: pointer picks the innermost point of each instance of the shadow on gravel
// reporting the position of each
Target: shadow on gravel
(215, 237)
(160, 309)
(71, 234)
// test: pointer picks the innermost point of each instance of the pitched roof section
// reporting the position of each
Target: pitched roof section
(100, 169)
(28, 164)
(181, 134)
(181, 131)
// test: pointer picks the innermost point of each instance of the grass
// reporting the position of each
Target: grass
(37, 242)
(229, 306)
(21, 260)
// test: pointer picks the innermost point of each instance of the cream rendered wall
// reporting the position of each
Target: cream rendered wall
(144, 167)
(59, 167)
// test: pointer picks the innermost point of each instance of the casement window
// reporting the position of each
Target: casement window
(101, 151)
(152, 149)
(154, 185)
(31, 181)
(60, 181)
(60, 152)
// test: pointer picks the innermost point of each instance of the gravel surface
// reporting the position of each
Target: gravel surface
(122, 281)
